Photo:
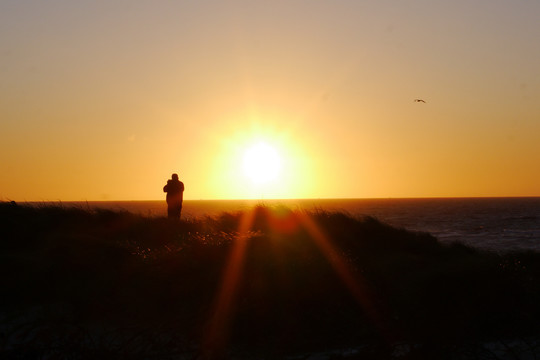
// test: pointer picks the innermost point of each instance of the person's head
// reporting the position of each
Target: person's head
(174, 176)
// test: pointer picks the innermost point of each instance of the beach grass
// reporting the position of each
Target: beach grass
(267, 282)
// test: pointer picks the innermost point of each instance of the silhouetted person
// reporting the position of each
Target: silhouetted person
(175, 196)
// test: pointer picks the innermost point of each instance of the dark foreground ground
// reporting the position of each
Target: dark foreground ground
(264, 284)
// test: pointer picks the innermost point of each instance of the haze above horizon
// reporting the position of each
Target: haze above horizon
(105, 100)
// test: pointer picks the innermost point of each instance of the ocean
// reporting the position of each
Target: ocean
(496, 224)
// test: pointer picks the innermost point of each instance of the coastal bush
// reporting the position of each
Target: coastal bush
(283, 281)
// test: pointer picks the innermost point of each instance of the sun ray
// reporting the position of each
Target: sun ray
(216, 337)
(357, 286)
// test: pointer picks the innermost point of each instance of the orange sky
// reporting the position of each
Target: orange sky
(104, 100)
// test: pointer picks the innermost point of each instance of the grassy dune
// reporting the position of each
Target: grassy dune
(270, 283)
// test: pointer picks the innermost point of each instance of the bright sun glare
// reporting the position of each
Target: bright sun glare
(261, 163)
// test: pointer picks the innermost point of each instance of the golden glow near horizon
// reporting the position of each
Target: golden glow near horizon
(103, 101)
(260, 163)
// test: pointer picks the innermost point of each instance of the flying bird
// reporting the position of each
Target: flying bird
(419, 100)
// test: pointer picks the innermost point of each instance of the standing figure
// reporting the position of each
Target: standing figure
(175, 196)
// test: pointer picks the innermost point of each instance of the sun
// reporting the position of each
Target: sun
(262, 163)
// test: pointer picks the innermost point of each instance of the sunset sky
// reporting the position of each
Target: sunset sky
(104, 100)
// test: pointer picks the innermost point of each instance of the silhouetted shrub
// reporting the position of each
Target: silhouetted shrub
(130, 284)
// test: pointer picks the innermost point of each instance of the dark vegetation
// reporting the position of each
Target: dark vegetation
(91, 284)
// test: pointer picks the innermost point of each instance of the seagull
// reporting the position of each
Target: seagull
(419, 100)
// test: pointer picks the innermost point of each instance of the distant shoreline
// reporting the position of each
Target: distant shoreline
(282, 199)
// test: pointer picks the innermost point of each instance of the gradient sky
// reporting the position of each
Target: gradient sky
(103, 100)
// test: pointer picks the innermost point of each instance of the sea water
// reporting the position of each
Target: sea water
(497, 224)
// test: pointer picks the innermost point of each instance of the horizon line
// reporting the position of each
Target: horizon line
(285, 199)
